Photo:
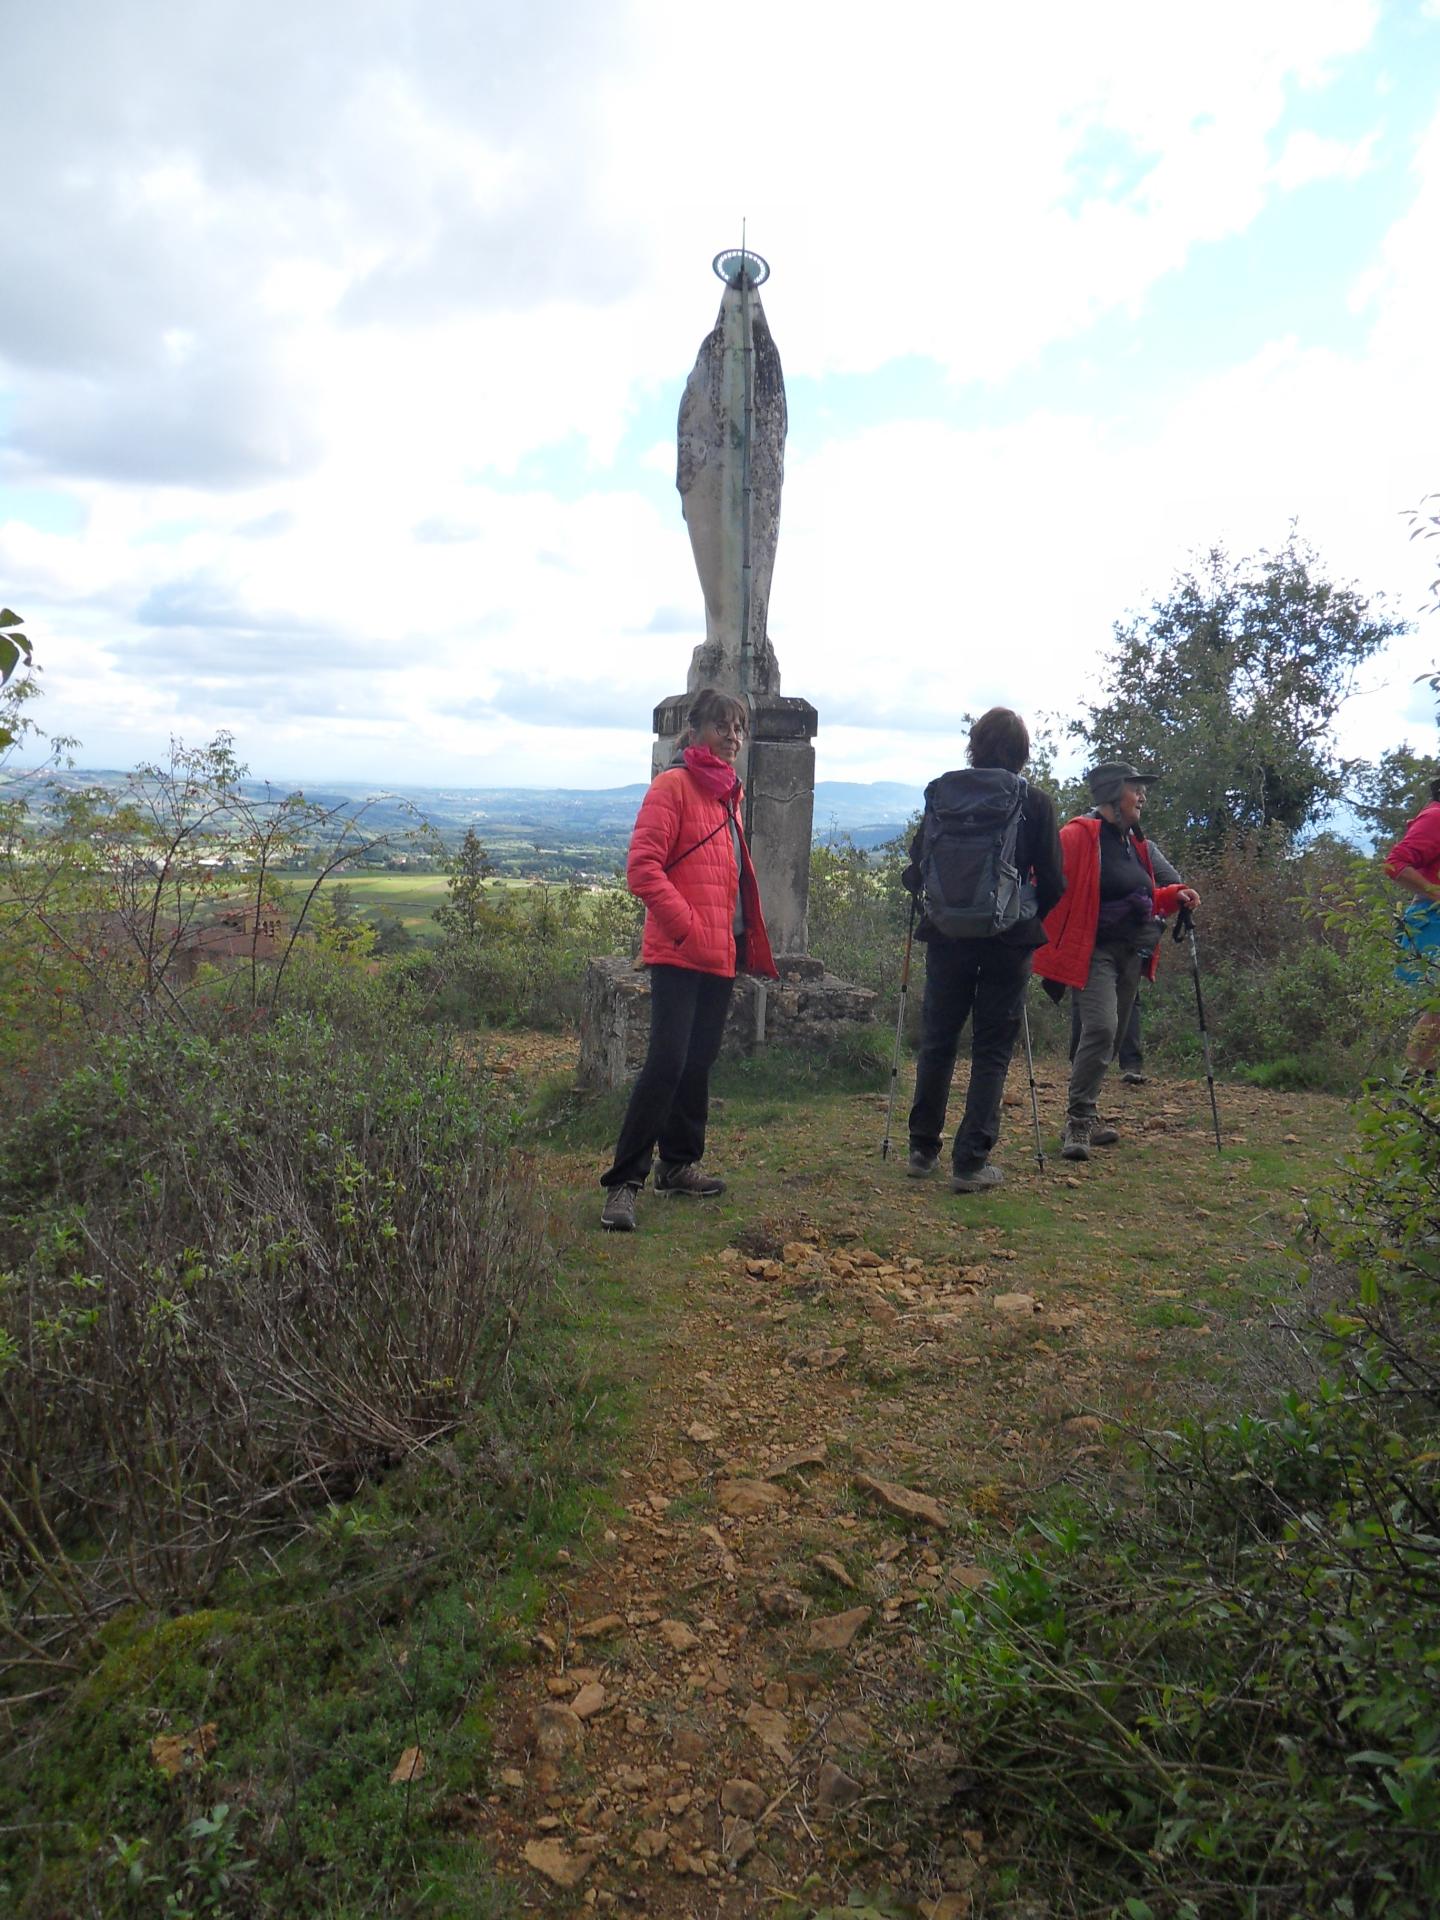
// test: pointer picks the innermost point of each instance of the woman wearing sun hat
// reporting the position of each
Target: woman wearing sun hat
(1098, 936)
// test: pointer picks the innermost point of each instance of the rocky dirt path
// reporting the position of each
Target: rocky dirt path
(851, 1391)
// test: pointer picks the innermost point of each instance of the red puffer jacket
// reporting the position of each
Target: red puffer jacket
(1070, 927)
(682, 865)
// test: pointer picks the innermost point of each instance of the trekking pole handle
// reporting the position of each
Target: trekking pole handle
(1184, 924)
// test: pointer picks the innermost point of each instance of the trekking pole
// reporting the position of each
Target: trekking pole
(899, 1029)
(1185, 927)
(1034, 1097)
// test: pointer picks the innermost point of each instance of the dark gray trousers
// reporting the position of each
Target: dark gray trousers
(1105, 1002)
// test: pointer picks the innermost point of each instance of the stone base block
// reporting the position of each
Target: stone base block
(805, 1007)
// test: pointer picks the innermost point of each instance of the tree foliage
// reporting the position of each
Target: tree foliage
(1230, 685)
(339, 925)
(1391, 791)
(1425, 525)
(120, 909)
(16, 684)
(462, 914)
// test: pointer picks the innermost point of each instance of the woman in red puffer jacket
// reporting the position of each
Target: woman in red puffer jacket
(690, 865)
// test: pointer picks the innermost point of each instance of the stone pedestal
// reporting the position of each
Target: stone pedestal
(805, 1007)
(777, 767)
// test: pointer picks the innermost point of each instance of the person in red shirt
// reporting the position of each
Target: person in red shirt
(1414, 864)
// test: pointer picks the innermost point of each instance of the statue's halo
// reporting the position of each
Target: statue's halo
(739, 265)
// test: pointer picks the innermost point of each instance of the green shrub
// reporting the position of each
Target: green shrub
(1223, 1697)
(858, 914)
(240, 1272)
(1297, 970)
(524, 957)
(1227, 1700)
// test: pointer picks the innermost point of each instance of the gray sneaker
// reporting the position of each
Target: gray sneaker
(977, 1180)
(618, 1213)
(921, 1165)
(1133, 1077)
(1076, 1144)
(688, 1179)
(1103, 1135)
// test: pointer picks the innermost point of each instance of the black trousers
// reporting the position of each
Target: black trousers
(670, 1101)
(964, 978)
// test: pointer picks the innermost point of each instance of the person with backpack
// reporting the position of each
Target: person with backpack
(1101, 939)
(690, 865)
(985, 868)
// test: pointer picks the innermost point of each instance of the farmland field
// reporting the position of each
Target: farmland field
(412, 897)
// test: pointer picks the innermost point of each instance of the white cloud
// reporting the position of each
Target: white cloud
(1308, 156)
(295, 301)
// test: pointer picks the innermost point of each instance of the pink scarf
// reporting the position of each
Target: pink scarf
(715, 775)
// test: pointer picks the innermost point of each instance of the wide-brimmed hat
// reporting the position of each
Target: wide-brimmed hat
(1110, 776)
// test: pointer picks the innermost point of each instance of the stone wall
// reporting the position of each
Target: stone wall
(806, 1007)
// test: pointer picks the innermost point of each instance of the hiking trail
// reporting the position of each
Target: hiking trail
(857, 1384)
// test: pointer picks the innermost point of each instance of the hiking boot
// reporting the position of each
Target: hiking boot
(921, 1164)
(976, 1179)
(1103, 1135)
(618, 1213)
(1076, 1144)
(1133, 1077)
(688, 1179)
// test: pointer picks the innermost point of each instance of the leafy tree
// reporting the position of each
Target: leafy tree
(1230, 685)
(108, 898)
(1425, 525)
(16, 682)
(462, 914)
(1391, 791)
(391, 933)
(339, 925)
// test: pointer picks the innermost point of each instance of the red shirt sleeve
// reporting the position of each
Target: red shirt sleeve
(1419, 845)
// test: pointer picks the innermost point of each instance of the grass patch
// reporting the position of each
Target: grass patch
(385, 1627)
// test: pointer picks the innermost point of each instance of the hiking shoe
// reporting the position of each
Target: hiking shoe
(1134, 1078)
(1076, 1144)
(618, 1213)
(976, 1180)
(1103, 1135)
(688, 1179)
(921, 1164)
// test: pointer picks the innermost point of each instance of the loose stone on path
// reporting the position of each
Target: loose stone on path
(901, 1500)
(743, 1499)
(835, 1633)
(557, 1863)
(771, 1729)
(677, 1636)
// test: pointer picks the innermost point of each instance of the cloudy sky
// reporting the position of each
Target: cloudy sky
(341, 344)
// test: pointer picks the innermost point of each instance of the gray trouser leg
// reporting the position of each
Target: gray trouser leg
(1105, 1002)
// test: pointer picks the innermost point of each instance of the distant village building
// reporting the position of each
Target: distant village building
(242, 934)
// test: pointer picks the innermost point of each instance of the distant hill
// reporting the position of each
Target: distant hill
(554, 817)
(867, 814)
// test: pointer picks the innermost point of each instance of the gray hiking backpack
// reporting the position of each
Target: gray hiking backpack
(970, 884)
